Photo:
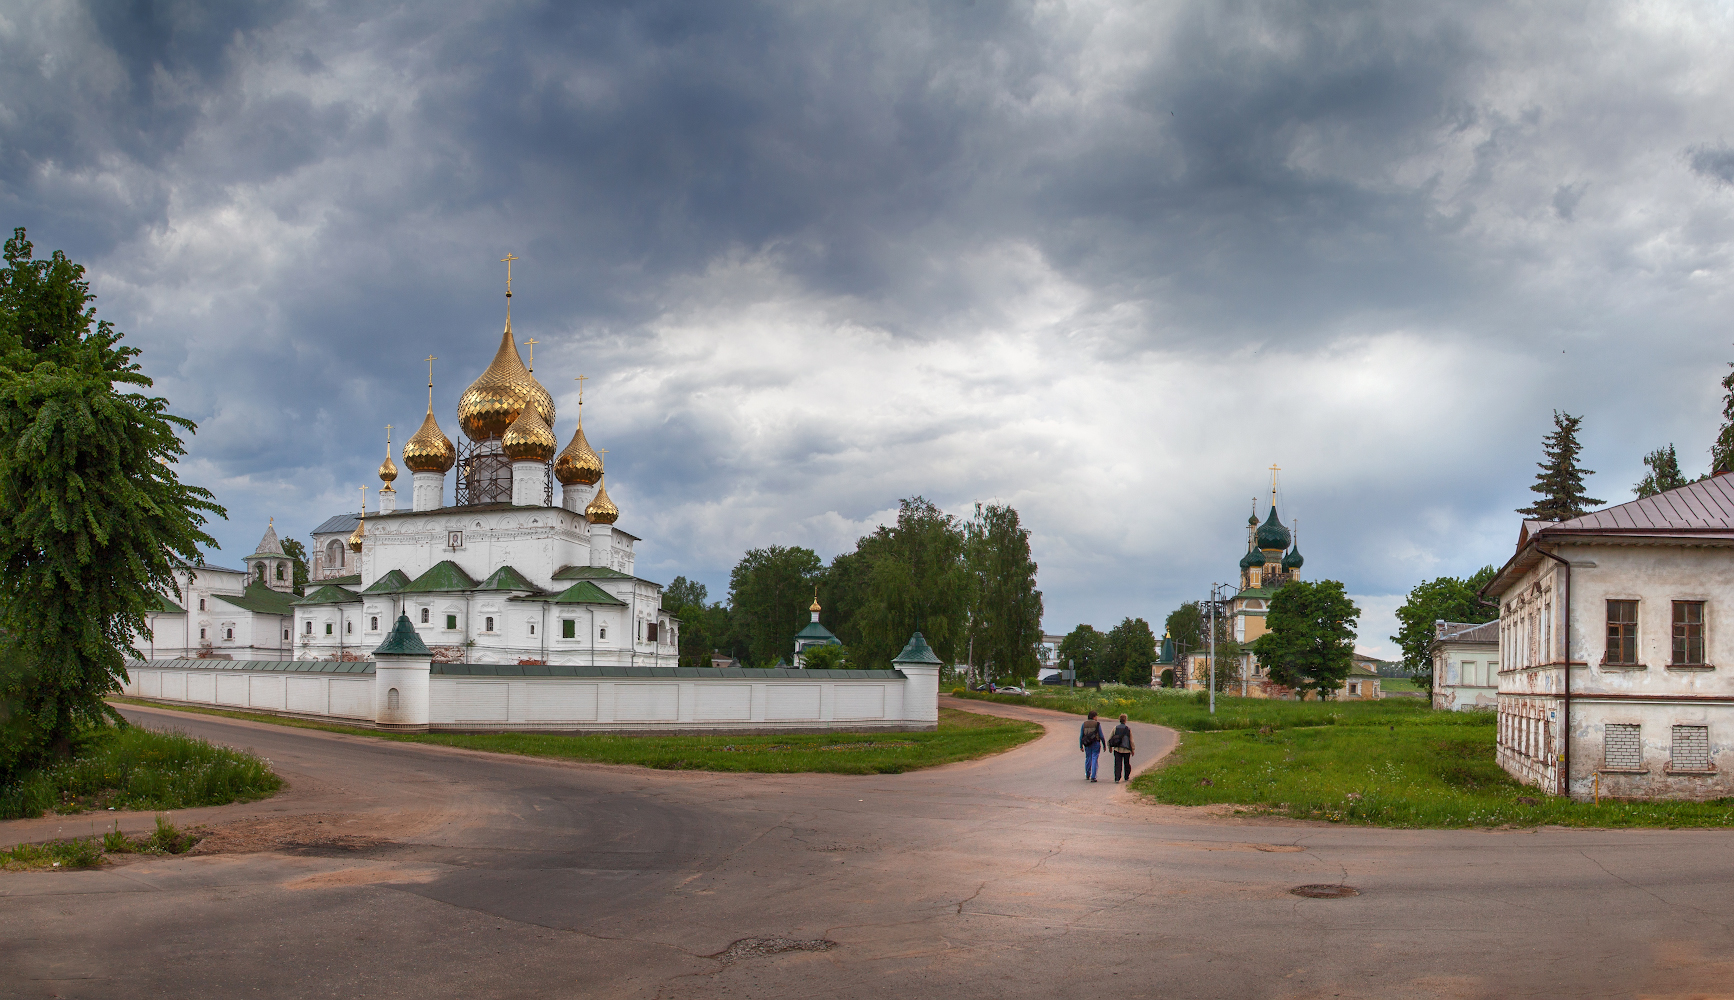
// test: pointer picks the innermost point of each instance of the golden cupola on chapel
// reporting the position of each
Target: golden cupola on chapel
(529, 439)
(493, 402)
(579, 463)
(388, 468)
(428, 450)
(602, 509)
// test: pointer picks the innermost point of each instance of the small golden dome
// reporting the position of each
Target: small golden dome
(388, 470)
(601, 509)
(579, 463)
(491, 403)
(429, 450)
(357, 536)
(528, 439)
(815, 606)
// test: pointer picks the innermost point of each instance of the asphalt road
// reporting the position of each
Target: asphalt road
(411, 871)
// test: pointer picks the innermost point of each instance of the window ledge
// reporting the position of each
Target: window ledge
(1620, 770)
(1691, 666)
(1624, 666)
(1690, 770)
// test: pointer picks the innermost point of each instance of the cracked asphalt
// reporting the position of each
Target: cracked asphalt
(398, 870)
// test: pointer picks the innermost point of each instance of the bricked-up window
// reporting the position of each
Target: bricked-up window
(1688, 632)
(1622, 632)
(1691, 749)
(1623, 747)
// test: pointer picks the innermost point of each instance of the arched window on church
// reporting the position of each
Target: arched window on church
(334, 555)
(259, 574)
(424, 614)
(279, 571)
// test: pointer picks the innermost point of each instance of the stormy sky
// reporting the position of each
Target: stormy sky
(1106, 262)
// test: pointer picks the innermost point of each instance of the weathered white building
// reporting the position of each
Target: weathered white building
(1614, 656)
(227, 613)
(1465, 665)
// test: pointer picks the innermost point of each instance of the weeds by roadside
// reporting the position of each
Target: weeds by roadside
(88, 852)
(135, 768)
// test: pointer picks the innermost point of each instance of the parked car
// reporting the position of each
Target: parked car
(1055, 679)
(1012, 690)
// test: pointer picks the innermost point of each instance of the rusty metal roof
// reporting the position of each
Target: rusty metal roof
(1467, 632)
(1705, 505)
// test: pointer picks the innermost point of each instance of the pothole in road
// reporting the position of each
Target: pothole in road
(1325, 891)
(761, 946)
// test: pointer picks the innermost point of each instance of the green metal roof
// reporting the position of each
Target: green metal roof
(329, 595)
(1271, 534)
(390, 583)
(582, 592)
(507, 578)
(261, 666)
(444, 576)
(352, 580)
(815, 631)
(597, 573)
(261, 599)
(167, 607)
(403, 641)
(917, 651)
(575, 670)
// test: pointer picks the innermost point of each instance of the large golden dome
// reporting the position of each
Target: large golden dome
(429, 450)
(491, 403)
(579, 463)
(528, 439)
(602, 509)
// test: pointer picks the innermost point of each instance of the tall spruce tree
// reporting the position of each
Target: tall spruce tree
(1664, 474)
(94, 513)
(1560, 481)
(1005, 621)
(1722, 452)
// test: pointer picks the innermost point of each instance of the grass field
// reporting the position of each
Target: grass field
(961, 736)
(1392, 763)
(1400, 685)
(134, 768)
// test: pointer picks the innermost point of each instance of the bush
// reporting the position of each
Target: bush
(133, 768)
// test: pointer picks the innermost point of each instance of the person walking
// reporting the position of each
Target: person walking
(1120, 745)
(1090, 741)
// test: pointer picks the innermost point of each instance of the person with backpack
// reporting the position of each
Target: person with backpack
(1090, 741)
(1120, 745)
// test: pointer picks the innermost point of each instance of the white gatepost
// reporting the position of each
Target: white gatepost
(400, 679)
(921, 689)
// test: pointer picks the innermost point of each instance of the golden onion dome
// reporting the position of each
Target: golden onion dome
(601, 509)
(359, 535)
(491, 403)
(429, 450)
(388, 470)
(579, 463)
(528, 439)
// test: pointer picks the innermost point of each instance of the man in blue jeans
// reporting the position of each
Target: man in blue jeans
(1090, 741)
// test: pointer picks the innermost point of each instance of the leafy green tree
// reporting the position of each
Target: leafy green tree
(826, 657)
(847, 586)
(1228, 658)
(1722, 452)
(1664, 474)
(1560, 481)
(1082, 648)
(1187, 625)
(916, 580)
(1128, 653)
(1005, 622)
(1311, 642)
(1445, 599)
(704, 628)
(769, 591)
(683, 592)
(1167, 677)
(94, 510)
(293, 548)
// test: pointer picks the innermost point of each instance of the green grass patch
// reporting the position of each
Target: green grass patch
(87, 852)
(1416, 775)
(961, 736)
(135, 768)
(1190, 710)
(1401, 685)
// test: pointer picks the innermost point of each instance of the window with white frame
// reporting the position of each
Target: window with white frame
(488, 624)
(373, 624)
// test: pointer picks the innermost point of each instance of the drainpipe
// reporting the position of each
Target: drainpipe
(1565, 711)
(592, 635)
(544, 632)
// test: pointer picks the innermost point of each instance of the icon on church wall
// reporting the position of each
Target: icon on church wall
(454, 539)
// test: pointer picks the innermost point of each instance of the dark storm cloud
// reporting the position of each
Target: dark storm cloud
(758, 224)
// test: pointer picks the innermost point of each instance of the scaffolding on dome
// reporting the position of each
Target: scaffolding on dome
(485, 475)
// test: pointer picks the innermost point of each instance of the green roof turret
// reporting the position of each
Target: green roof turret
(1271, 534)
(1252, 559)
(1293, 560)
(918, 652)
(403, 641)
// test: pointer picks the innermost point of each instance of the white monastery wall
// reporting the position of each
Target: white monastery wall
(512, 698)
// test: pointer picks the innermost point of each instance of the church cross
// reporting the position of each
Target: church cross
(430, 359)
(532, 342)
(507, 260)
(364, 502)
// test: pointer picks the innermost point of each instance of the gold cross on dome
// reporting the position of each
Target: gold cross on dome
(532, 342)
(430, 359)
(364, 501)
(507, 260)
(602, 455)
(580, 380)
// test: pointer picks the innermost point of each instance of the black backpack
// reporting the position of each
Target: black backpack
(1119, 737)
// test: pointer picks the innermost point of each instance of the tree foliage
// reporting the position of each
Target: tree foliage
(769, 591)
(1188, 626)
(1560, 481)
(915, 579)
(94, 510)
(1129, 652)
(297, 553)
(1445, 599)
(1664, 474)
(1722, 452)
(1005, 621)
(829, 656)
(1082, 650)
(1311, 642)
(704, 628)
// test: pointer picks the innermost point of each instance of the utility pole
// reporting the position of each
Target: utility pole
(1212, 650)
